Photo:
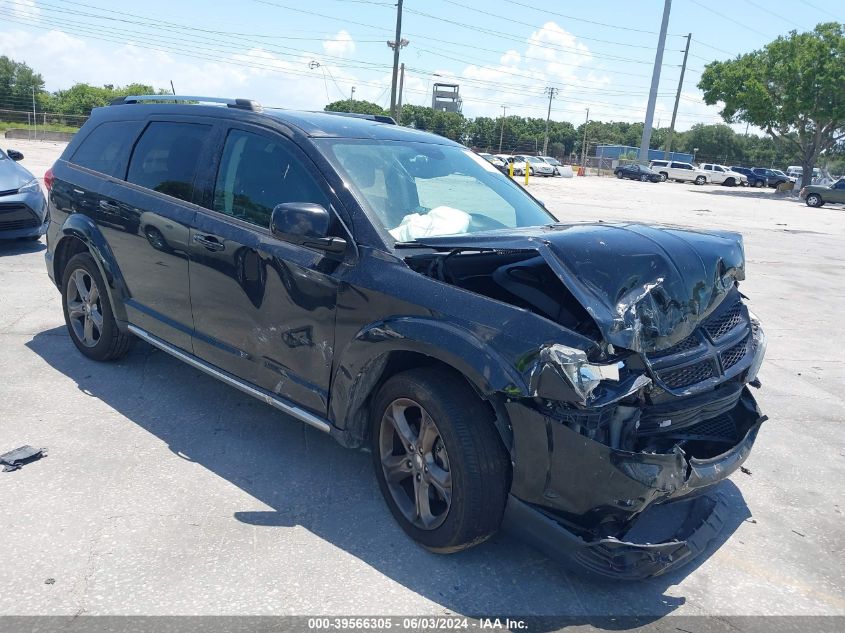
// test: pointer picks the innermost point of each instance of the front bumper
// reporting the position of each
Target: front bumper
(577, 499)
(23, 215)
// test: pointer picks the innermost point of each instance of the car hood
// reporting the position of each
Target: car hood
(646, 287)
(12, 175)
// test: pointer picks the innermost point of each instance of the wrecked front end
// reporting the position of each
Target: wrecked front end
(647, 419)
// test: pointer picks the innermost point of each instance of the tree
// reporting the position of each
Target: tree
(794, 88)
(16, 83)
(80, 98)
(355, 106)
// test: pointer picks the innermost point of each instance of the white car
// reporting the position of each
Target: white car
(536, 166)
(554, 162)
(680, 171)
(721, 175)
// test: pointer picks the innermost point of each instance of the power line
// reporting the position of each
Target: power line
(728, 18)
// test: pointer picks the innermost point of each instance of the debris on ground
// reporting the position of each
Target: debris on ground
(745, 470)
(13, 460)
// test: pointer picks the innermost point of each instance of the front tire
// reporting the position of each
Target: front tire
(759, 184)
(664, 176)
(439, 460)
(88, 314)
(814, 200)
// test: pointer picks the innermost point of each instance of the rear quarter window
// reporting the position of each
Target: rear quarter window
(106, 149)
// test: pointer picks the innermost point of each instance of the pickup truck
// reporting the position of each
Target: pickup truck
(682, 172)
(721, 175)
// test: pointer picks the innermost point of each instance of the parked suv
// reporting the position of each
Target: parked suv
(753, 180)
(391, 288)
(680, 171)
(774, 177)
(721, 175)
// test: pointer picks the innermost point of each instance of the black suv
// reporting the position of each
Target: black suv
(393, 289)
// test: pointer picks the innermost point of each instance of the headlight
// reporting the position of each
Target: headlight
(572, 365)
(759, 343)
(30, 187)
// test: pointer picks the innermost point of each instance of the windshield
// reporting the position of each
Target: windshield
(778, 172)
(551, 161)
(417, 190)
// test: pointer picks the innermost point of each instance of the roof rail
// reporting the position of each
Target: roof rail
(381, 118)
(242, 104)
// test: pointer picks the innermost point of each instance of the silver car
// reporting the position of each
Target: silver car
(23, 209)
(535, 165)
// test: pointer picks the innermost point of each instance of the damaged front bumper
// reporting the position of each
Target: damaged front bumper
(578, 499)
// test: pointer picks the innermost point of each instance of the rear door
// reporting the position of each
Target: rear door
(157, 200)
(263, 309)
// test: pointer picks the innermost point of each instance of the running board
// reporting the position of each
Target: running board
(229, 379)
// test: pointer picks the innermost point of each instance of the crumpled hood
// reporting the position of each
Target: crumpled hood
(646, 287)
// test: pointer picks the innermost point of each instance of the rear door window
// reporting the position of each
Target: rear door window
(106, 149)
(166, 157)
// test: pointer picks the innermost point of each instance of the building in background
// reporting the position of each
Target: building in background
(446, 98)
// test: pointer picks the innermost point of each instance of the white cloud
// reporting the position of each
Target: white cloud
(341, 45)
(22, 9)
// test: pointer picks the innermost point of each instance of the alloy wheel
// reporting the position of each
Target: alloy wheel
(415, 464)
(84, 307)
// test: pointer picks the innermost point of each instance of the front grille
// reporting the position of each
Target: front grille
(716, 348)
(719, 325)
(733, 355)
(16, 216)
(13, 225)
(690, 342)
(686, 376)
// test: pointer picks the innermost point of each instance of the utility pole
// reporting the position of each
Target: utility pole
(352, 94)
(551, 92)
(396, 45)
(584, 144)
(502, 133)
(172, 87)
(401, 86)
(677, 100)
(34, 120)
(655, 81)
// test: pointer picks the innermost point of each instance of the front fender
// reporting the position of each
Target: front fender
(81, 227)
(362, 362)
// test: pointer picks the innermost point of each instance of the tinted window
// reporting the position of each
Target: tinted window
(256, 174)
(166, 156)
(106, 149)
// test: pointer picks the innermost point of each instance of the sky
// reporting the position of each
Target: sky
(302, 55)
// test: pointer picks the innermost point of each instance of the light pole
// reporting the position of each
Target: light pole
(694, 152)
(352, 95)
(502, 132)
(584, 144)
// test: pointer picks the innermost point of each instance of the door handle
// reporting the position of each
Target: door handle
(209, 241)
(108, 206)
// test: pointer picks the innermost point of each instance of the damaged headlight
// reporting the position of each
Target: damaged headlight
(30, 187)
(572, 365)
(759, 343)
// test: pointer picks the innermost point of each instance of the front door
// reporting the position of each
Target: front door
(263, 309)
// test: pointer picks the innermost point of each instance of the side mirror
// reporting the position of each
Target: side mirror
(14, 154)
(306, 224)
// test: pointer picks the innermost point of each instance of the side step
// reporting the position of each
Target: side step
(251, 390)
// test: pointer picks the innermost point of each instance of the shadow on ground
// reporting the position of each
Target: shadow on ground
(312, 482)
(19, 247)
(743, 192)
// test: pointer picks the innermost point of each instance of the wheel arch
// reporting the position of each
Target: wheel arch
(383, 350)
(79, 234)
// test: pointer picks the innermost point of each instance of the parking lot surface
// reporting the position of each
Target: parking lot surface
(166, 492)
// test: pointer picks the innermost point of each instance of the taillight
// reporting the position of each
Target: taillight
(48, 179)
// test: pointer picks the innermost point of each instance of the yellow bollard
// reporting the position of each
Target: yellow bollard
(510, 168)
(526, 172)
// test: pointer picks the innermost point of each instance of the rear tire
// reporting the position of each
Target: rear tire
(700, 180)
(439, 460)
(643, 178)
(87, 310)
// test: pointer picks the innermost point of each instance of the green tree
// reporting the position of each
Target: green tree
(794, 88)
(81, 98)
(16, 83)
(355, 106)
